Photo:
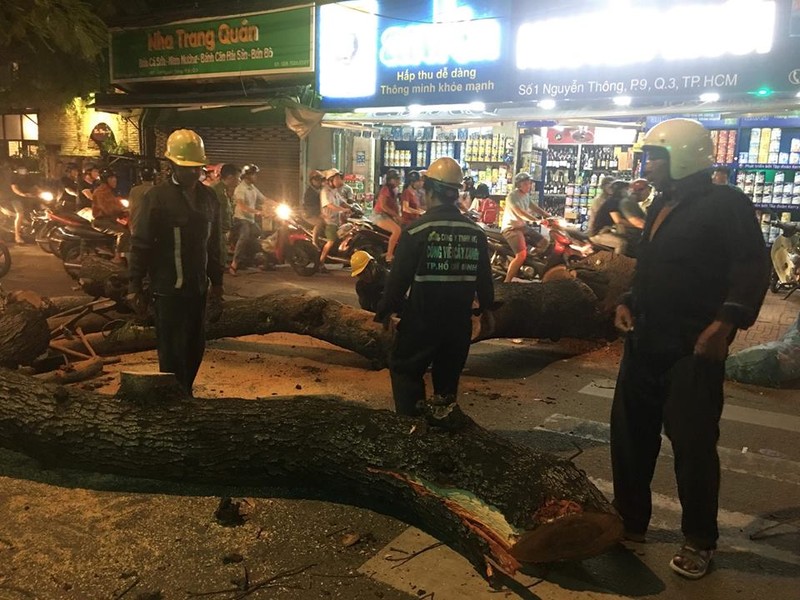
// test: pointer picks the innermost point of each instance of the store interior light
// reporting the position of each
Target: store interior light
(418, 124)
(547, 104)
(709, 97)
(622, 100)
(477, 106)
(414, 109)
(797, 95)
(763, 92)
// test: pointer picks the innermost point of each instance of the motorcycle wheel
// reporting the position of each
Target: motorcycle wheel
(43, 238)
(304, 258)
(71, 255)
(5, 259)
(774, 282)
(499, 264)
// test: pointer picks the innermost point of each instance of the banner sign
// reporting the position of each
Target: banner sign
(279, 41)
(376, 53)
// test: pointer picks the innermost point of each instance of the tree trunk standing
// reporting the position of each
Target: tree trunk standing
(480, 493)
(24, 334)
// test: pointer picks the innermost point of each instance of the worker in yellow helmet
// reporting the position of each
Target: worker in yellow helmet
(371, 279)
(442, 261)
(177, 243)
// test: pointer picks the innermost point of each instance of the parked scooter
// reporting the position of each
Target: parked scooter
(785, 255)
(564, 249)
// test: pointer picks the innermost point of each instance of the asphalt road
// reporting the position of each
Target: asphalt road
(562, 407)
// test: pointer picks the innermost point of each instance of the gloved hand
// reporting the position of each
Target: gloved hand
(215, 303)
(138, 303)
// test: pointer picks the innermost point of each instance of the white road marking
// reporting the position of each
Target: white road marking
(604, 388)
(749, 463)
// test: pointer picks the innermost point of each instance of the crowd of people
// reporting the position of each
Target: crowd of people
(678, 319)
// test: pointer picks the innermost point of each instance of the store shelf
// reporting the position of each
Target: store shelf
(789, 207)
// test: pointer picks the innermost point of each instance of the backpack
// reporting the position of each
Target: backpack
(488, 210)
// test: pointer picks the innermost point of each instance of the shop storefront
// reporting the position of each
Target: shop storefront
(236, 79)
(561, 92)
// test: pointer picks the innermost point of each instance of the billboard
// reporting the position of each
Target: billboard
(265, 43)
(379, 53)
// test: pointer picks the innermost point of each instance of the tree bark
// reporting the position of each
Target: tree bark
(24, 334)
(491, 500)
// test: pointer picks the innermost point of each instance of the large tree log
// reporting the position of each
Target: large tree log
(574, 308)
(24, 334)
(483, 495)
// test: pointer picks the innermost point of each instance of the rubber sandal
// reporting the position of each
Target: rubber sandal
(690, 562)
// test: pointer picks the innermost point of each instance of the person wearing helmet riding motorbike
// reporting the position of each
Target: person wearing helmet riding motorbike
(409, 200)
(371, 279)
(250, 203)
(387, 213)
(334, 207)
(683, 310)
(176, 243)
(107, 210)
(519, 209)
(443, 259)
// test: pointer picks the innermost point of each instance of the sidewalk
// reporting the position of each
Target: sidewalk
(775, 318)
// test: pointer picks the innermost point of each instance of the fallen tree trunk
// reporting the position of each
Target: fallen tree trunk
(24, 333)
(575, 308)
(493, 501)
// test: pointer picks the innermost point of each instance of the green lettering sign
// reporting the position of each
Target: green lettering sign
(279, 41)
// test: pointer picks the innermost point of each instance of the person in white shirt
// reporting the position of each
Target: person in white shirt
(247, 198)
(519, 209)
(333, 206)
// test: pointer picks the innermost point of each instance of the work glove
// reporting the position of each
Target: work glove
(215, 303)
(138, 303)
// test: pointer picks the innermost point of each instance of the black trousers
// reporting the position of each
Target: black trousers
(181, 333)
(418, 346)
(684, 393)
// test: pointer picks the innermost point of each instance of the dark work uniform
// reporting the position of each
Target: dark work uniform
(443, 258)
(706, 261)
(176, 243)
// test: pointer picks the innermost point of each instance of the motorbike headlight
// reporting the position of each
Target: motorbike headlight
(125, 203)
(283, 211)
(46, 196)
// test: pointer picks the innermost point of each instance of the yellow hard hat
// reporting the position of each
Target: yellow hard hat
(359, 262)
(185, 148)
(687, 142)
(446, 171)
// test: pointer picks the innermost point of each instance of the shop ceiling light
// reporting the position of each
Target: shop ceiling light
(547, 104)
(763, 92)
(418, 124)
(797, 95)
(477, 106)
(622, 100)
(414, 109)
(709, 97)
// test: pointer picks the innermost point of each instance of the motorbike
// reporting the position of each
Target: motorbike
(33, 219)
(785, 256)
(358, 233)
(565, 248)
(291, 244)
(74, 238)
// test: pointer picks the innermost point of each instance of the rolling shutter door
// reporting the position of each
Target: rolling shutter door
(276, 151)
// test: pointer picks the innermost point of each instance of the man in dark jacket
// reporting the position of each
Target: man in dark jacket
(442, 257)
(176, 243)
(701, 275)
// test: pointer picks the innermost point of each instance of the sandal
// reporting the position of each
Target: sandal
(232, 270)
(691, 562)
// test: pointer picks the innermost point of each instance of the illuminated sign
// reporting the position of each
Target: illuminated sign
(683, 32)
(394, 52)
(451, 36)
(376, 53)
